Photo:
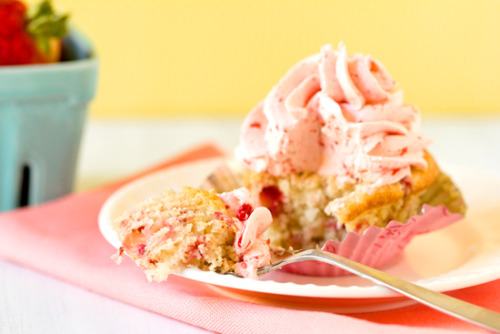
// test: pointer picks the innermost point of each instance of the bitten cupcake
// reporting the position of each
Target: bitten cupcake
(338, 158)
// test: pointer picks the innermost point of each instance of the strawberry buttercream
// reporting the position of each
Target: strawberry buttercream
(251, 246)
(335, 114)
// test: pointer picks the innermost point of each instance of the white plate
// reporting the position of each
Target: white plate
(462, 255)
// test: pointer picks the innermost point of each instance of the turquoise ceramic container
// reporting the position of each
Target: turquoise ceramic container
(42, 114)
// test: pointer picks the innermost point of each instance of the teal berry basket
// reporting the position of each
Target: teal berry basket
(42, 115)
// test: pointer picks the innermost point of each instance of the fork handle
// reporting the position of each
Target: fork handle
(439, 301)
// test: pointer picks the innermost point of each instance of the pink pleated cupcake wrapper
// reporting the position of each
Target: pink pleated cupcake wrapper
(377, 246)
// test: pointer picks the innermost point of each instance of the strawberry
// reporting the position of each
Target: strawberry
(30, 38)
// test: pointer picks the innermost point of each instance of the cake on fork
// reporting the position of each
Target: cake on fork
(195, 228)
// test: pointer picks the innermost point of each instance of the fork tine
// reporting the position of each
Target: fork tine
(224, 178)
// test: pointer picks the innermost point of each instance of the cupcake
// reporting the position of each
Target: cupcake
(195, 228)
(338, 158)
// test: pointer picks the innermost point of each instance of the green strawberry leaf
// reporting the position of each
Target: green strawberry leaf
(52, 26)
(42, 9)
(43, 24)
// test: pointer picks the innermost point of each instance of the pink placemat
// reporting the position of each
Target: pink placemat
(62, 239)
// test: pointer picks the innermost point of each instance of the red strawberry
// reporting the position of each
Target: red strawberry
(30, 39)
(12, 15)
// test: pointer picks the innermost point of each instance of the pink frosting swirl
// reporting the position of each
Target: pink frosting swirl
(335, 114)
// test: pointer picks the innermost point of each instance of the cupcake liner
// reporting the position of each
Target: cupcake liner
(377, 246)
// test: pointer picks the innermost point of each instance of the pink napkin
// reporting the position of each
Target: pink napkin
(61, 239)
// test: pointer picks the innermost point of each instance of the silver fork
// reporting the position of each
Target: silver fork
(436, 300)
(227, 178)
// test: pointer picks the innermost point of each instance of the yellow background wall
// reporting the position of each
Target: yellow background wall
(165, 57)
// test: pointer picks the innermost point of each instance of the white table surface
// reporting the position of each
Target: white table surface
(34, 303)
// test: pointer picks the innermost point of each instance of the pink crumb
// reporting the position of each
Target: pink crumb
(194, 250)
(219, 215)
(141, 249)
